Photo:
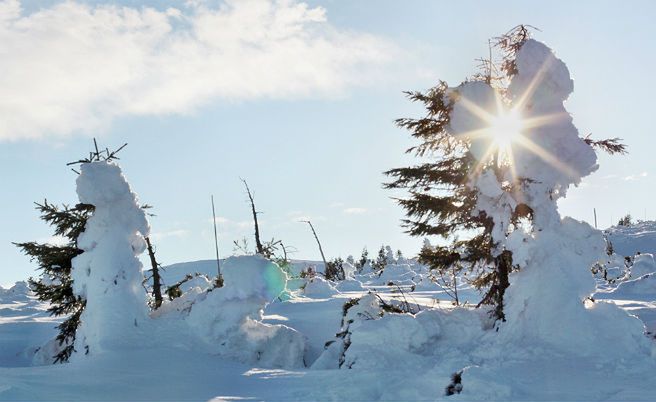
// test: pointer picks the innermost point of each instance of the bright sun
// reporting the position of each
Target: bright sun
(505, 129)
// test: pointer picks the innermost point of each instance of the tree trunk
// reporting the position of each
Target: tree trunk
(504, 266)
(258, 244)
(318, 242)
(157, 280)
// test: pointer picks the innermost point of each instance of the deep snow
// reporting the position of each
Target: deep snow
(394, 358)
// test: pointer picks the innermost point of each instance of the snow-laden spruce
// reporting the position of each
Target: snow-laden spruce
(545, 301)
(108, 274)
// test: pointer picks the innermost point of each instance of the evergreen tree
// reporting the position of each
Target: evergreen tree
(364, 258)
(381, 260)
(442, 200)
(54, 285)
(625, 221)
(335, 270)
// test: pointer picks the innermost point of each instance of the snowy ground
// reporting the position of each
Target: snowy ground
(394, 359)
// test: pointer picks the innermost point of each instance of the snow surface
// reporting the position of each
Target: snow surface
(395, 357)
(639, 237)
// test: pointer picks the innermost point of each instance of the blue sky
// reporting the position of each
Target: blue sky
(298, 100)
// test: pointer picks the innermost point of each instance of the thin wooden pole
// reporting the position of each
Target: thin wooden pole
(595, 216)
(216, 238)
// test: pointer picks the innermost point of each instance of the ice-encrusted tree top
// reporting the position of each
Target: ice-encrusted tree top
(545, 152)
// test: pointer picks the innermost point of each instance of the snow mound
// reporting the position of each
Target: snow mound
(350, 285)
(643, 264)
(229, 319)
(390, 340)
(318, 287)
(400, 274)
(252, 277)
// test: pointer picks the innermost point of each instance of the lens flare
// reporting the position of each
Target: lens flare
(505, 130)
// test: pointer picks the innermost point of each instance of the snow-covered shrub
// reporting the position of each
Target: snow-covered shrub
(229, 319)
(108, 274)
(190, 281)
(366, 307)
(334, 270)
(614, 268)
(455, 387)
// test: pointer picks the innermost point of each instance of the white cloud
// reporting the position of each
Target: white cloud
(73, 67)
(355, 211)
(224, 223)
(179, 233)
(634, 177)
(221, 220)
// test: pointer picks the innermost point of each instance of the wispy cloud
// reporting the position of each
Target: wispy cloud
(178, 233)
(73, 67)
(355, 211)
(227, 224)
(300, 216)
(634, 177)
(631, 177)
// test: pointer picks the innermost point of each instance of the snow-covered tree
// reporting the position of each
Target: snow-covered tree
(54, 284)
(497, 152)
(381, 260)
(108, 273)
(364, 259)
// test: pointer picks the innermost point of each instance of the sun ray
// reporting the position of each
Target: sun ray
(538, 121)
(505, 129)
(476, 110)
(519, 103)
(546, 156)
